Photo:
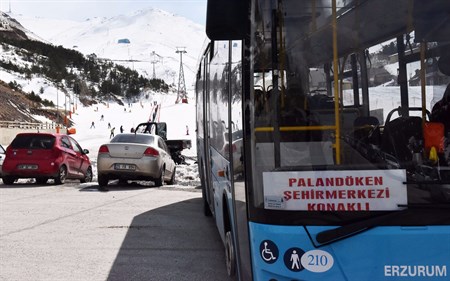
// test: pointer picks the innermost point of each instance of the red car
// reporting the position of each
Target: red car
(45, 156)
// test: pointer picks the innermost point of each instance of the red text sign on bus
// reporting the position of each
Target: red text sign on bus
(357, 190)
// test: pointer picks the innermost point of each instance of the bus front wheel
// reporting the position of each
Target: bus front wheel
(230, 257)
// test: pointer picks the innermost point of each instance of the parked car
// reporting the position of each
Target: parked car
(45, 156)
(2, 157)
(135, 156)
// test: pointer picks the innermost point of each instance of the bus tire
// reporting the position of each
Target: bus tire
(230, 256)
(206, 209)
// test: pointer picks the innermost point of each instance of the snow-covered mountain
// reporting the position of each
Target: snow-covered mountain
(154, 36)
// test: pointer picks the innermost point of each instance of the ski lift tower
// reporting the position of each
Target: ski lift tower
(155, 59)
(154, 62)
(181, 96)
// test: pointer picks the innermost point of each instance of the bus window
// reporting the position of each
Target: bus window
(218, 97)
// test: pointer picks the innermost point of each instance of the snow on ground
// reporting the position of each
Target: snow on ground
(180, 119)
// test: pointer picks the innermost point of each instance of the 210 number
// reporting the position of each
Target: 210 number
(317, 261)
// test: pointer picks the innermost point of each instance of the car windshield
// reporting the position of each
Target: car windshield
(33, 141)
(133, 138)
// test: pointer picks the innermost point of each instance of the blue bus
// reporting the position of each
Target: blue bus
(323, 138)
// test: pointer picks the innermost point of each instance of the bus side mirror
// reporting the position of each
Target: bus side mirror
(227, 19)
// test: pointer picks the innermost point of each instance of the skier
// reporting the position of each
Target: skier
(121, 129)
(92, 125)
(112, 133)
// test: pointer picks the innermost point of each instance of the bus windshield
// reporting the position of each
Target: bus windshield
(348, 112)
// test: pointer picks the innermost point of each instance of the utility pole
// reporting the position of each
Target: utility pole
(57, 105)
(154, 61)
(181, 96)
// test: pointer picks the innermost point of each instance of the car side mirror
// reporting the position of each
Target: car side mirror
(85, 151)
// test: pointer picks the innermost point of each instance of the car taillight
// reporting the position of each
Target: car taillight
(103, 149)
(150, 151)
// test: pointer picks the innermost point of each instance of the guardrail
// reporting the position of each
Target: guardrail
(28, 125)
(9, 129)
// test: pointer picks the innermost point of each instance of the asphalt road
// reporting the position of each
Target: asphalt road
(75, 232)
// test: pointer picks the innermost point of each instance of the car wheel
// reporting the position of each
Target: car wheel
(41, 180)
(88, 176)
(123, 181)
(160, 181)
(62, 175)
(8, 180)
(102, 181)
(230, 257)
(172, 178)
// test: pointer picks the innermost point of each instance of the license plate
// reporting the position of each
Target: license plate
(28, 167)
(124, 167)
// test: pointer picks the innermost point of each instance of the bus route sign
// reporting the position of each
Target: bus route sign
(355, 190)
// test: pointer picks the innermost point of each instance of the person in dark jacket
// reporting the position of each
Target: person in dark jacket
(441, 110)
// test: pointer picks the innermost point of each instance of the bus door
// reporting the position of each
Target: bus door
(218, 136)
(236, 154)
(203, 133)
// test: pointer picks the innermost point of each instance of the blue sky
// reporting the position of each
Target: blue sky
(80, 10)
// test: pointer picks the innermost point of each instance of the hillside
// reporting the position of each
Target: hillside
(15, 106)
(35, 75)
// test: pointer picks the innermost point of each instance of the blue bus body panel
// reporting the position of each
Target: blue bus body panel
(381, 253)
(221, 187)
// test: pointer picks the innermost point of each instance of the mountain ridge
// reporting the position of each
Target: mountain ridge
(149, 31)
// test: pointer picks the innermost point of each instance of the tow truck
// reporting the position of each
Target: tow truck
(175, 146)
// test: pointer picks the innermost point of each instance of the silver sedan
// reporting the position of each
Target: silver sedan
(135, 157)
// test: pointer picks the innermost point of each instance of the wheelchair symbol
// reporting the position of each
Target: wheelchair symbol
(269, 251)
